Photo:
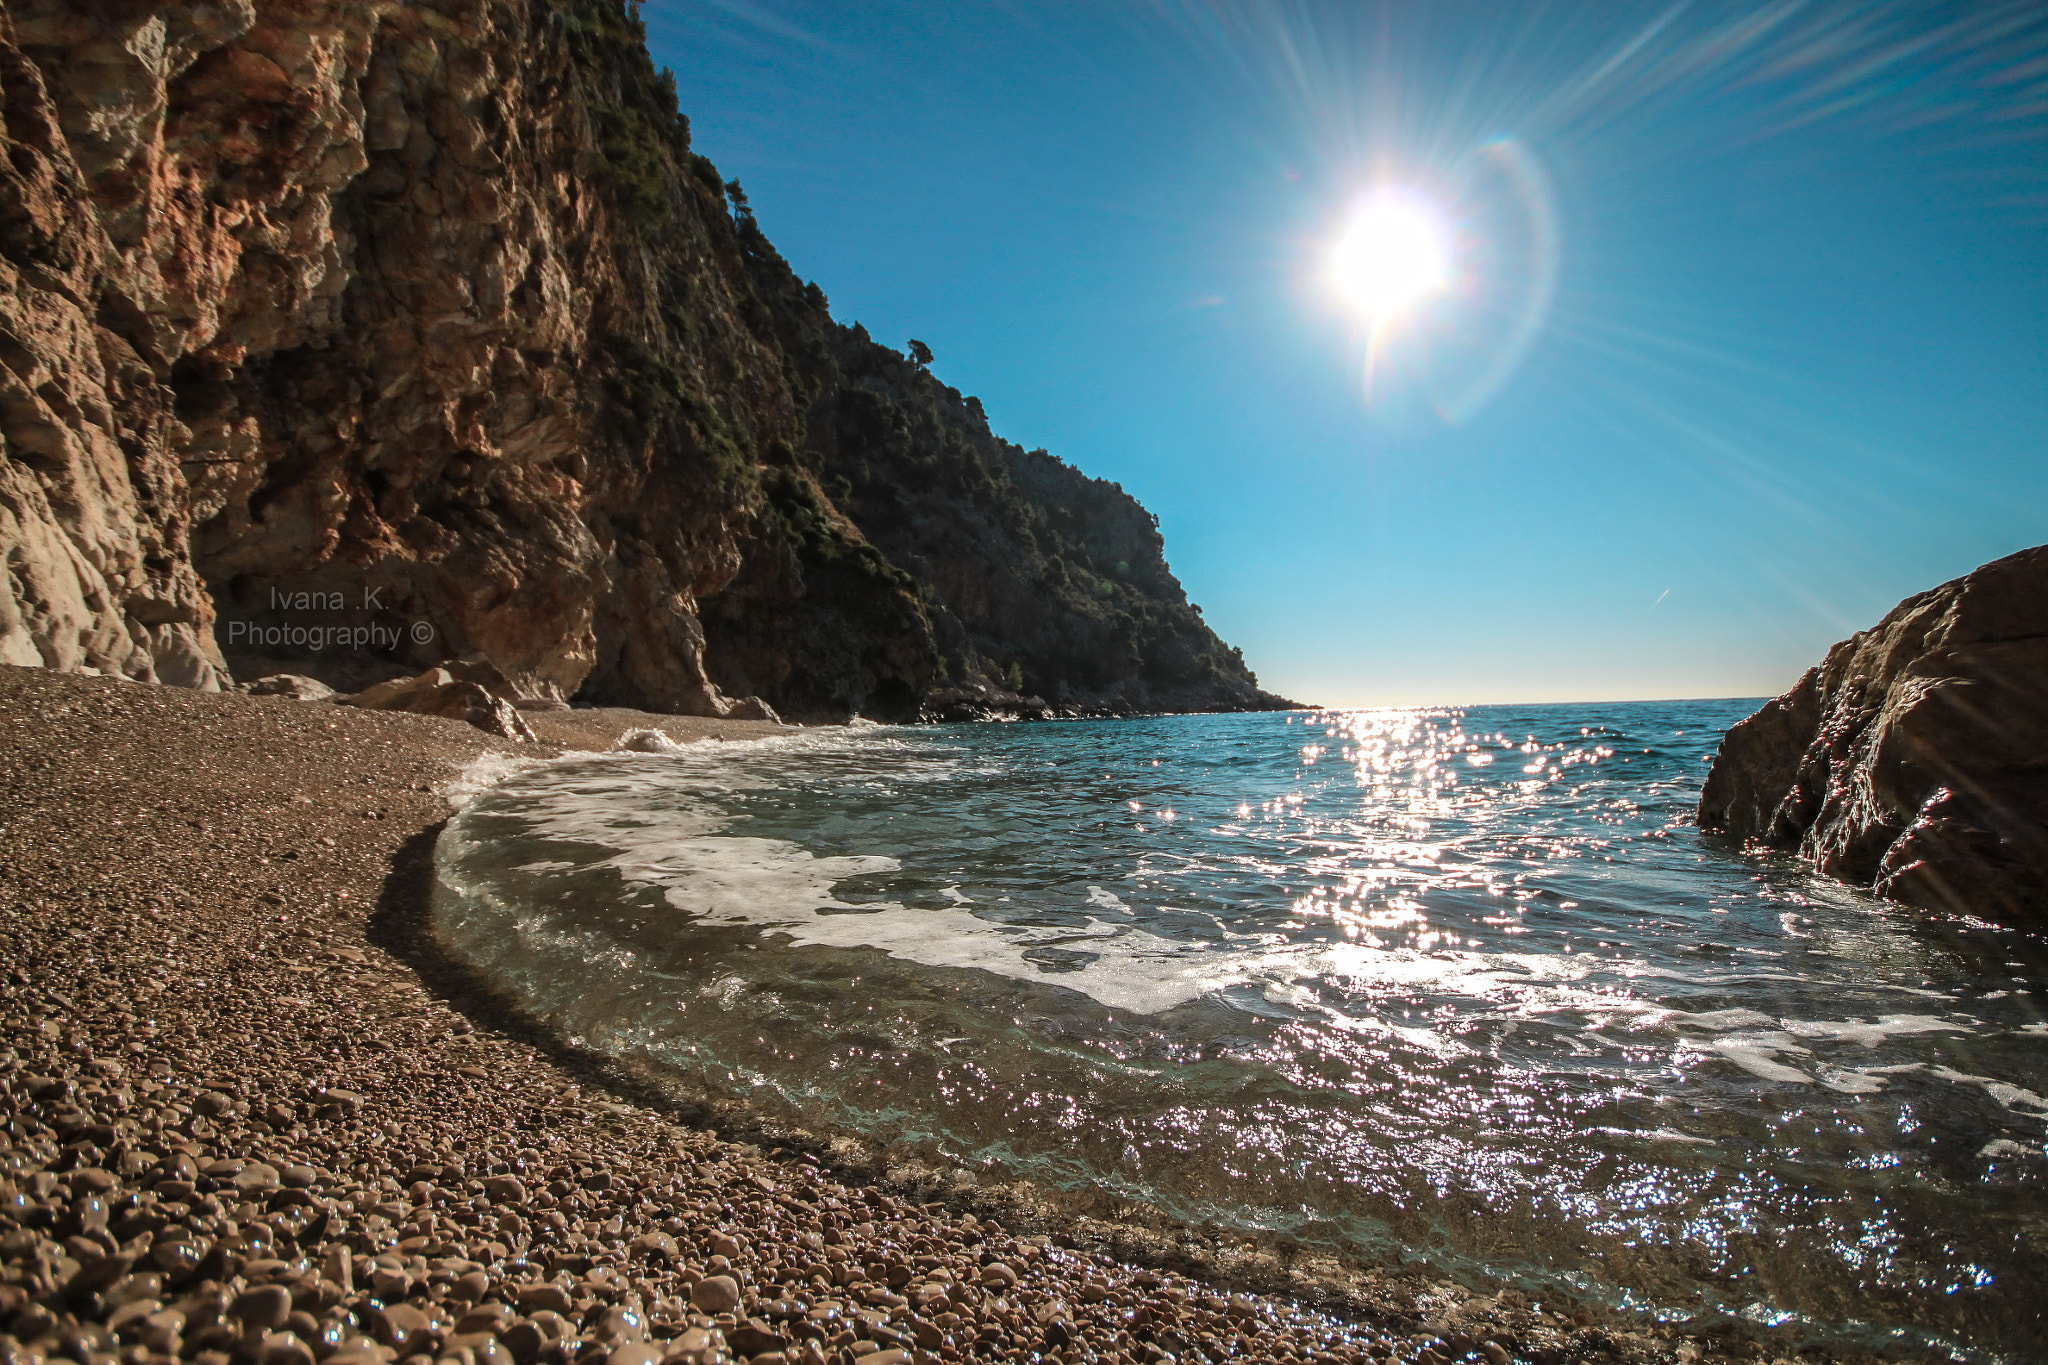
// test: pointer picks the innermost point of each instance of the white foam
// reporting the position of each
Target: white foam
(1870, 1035)
(2005, 1147)
(480, 774)
(641, 807)
(2007, 1094)
(777, 887)
(1851, 1082)
(1422, 1039)
(1721, 1021)
(490, 770)
(647, 742)
(1658, 1135)
(1758, 1056)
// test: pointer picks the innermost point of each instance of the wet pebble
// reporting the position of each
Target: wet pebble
(716, 1294)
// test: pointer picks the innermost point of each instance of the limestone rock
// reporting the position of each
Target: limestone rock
(404, 694)
(294, 685)
(752, 708)
(437, 693)
(1914, 759)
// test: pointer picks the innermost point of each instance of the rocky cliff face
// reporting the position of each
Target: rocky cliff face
(367, 335)
(1914, 759)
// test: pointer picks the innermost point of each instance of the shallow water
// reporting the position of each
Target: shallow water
(1459, 986)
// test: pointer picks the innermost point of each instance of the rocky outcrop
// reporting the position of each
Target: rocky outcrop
(350, 337)
(1914, 760)
(982, 701)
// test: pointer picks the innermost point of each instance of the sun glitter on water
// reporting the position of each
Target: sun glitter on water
(1395, 251)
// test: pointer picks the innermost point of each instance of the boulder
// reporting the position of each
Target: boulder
(437, 692)
(297, 686)
(481, 671)
(751, 708)
(485, 710)
(1914, 759)
(401, 694)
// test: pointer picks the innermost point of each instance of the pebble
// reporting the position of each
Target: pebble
(552, 1297)
(716, 1294)
(264, 1307)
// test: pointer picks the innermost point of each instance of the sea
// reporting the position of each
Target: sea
(1462, 990)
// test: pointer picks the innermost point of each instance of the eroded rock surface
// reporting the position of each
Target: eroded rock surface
(350, 337)
(439, 692)
(294, 685)
(1914, 759)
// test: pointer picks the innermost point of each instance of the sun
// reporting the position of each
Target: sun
(1395, 251)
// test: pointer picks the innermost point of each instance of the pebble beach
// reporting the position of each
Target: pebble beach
(254, 1117)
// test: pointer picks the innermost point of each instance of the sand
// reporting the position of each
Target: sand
(254, 1117)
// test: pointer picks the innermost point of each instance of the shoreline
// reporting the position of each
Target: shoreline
(210, 895)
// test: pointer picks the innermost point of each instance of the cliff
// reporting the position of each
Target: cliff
(1914, 759)
(357, 336)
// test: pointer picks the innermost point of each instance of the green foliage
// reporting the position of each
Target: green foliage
(742, 211)
(643, 137)
(807, 524)
(1074, 589)
(1013, 677)
(805, 521)
(656, 405)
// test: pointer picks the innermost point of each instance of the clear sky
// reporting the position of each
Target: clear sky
(1740, 332)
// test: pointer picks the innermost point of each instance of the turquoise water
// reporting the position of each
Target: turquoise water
(1466, 987)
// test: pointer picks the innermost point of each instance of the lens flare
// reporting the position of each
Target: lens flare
(1448, 291)
(1395, 251)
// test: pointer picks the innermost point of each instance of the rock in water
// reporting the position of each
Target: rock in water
(1914, 759)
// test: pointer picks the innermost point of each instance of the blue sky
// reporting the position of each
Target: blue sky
(1791, 365)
